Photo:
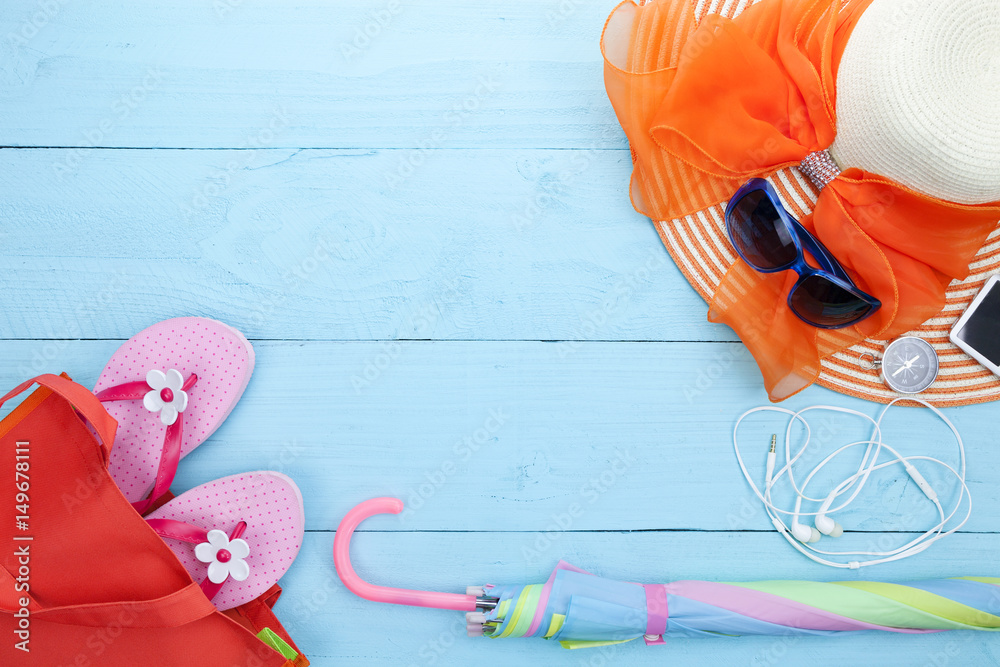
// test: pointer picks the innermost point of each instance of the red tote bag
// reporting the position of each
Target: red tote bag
(84, 580)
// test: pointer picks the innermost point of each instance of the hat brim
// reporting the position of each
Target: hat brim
(698, 245)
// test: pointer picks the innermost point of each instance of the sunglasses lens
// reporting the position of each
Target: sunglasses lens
(757, 231)
(824, 303)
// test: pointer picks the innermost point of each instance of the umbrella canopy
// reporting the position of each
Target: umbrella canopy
(578, 609)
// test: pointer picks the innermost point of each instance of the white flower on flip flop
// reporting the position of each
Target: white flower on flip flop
(224, 556)
(166, 396)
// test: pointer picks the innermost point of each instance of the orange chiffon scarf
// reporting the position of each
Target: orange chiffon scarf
(707, 105)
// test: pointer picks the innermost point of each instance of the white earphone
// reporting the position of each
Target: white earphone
(801, 532)
(802, 536)
(825, 524)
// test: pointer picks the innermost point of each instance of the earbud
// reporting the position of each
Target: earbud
(825, 524)
(803, 533)
(828, 526)
(802, 537)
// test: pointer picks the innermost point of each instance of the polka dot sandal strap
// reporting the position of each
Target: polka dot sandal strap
(159, 362)
(264, 515)
(224, 554)
(170, 454)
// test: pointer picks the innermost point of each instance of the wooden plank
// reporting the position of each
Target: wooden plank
(478, 244)
(235, 73)
(334, 627)
(539, 438)
(445, 213)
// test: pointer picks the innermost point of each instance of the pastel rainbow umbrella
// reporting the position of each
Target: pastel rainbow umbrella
(578, 609)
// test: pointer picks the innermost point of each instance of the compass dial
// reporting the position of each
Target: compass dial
(909, 365)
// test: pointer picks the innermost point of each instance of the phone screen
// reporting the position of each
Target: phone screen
(982, 330)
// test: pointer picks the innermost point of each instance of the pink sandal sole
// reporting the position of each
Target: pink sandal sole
(268, 503)
(220, 357)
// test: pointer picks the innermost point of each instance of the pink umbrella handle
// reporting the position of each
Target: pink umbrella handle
(361, 588)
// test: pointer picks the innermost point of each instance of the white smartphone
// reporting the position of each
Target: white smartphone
(978, 330)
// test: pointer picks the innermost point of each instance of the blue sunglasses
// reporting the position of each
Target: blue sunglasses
(770, 240)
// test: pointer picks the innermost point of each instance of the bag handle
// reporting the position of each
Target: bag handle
(82, 399)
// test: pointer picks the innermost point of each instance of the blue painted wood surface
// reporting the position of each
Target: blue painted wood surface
(417, 211)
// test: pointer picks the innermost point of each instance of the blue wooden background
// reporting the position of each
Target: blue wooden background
(417, 211)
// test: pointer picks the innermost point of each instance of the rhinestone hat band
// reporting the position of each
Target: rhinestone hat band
(820, 168)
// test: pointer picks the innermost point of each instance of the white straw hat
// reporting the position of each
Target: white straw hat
(918, 97)
(918, 101)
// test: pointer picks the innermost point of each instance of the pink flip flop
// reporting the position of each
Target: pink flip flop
(237, 535)
(170, 387)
